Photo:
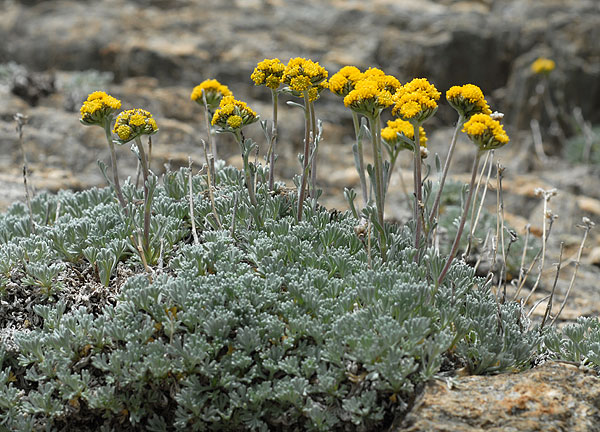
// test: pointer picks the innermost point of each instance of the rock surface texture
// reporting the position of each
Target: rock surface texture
(552, 397)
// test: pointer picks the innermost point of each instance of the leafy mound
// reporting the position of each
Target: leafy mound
(265, 324)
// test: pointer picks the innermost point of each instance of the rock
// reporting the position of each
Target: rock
(552, 397)
(490, 44)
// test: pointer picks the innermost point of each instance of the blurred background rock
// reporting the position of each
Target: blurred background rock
(151, 53)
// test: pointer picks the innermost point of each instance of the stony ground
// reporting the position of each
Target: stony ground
(150, 53)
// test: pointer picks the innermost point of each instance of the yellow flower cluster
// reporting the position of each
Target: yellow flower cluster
(467, 100)
(315, 92)
(343, 81)
(394, 127)
(416, 100)
(485, 132)
(373, 93)
(132, 123)
(543, 65)
(232, 115)
(214, 90)
(301, 75)
(268, 72)
(98, 108)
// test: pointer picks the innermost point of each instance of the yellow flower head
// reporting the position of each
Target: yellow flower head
(234, 121)
(268, 72)
(416, 100)
(343, 81)
(232, 115)
(133, 123)
(373, 73)
(368, 97)
(485, 132)
(467, 100)
(301, 75)
(400, 134)
(214, 90)
(99, 108)
(543, 66)
(315, 92)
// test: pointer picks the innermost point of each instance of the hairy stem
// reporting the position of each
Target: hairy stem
(147, 200)
(275, 97)
(113, 161)
(379, 180)
(418, 188)
(211, 144)
(210, 183)
(463, 218)
(436, 203)
(313, 163)
(247, 173)
(305, 167)
(359, 159)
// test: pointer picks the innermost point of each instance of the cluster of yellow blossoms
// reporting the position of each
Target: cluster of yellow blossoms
(303, 75)
(467, 100)
(132, 123)
(485, 132)
(268, 72)
(416, 100)
(214, 90)
(372, 93)
(344, 81)
(394, 127)
(543, 66)
(232, 115)
(98, 107)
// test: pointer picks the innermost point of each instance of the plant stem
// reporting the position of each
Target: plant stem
(302, 191)
(359, 159)
(211, 143)
(436, 203)
(588, 225)
(379, 181)
(475, 220)
(191, 202)
(247, 173)
(275, 97)
(393, 158)
(21, 120)
(418, 188)
(210, 183)
(113, 161)
(545, 233)
(314, 152)
(147, 200)
(463, 218)
(377, 159)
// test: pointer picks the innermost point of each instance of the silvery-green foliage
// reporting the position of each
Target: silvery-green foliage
(578, 342)
(265, 324)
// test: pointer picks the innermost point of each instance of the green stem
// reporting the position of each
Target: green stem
(209, 184)
(302, 191)
(418, 188)
(313, 163)
(379, 187)
(463, 218)
(113, 160)
(436, 203)
(393, 158)
(211, 144)
(247, 173)
(275, 97)
(359, 159)
(147, 200)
